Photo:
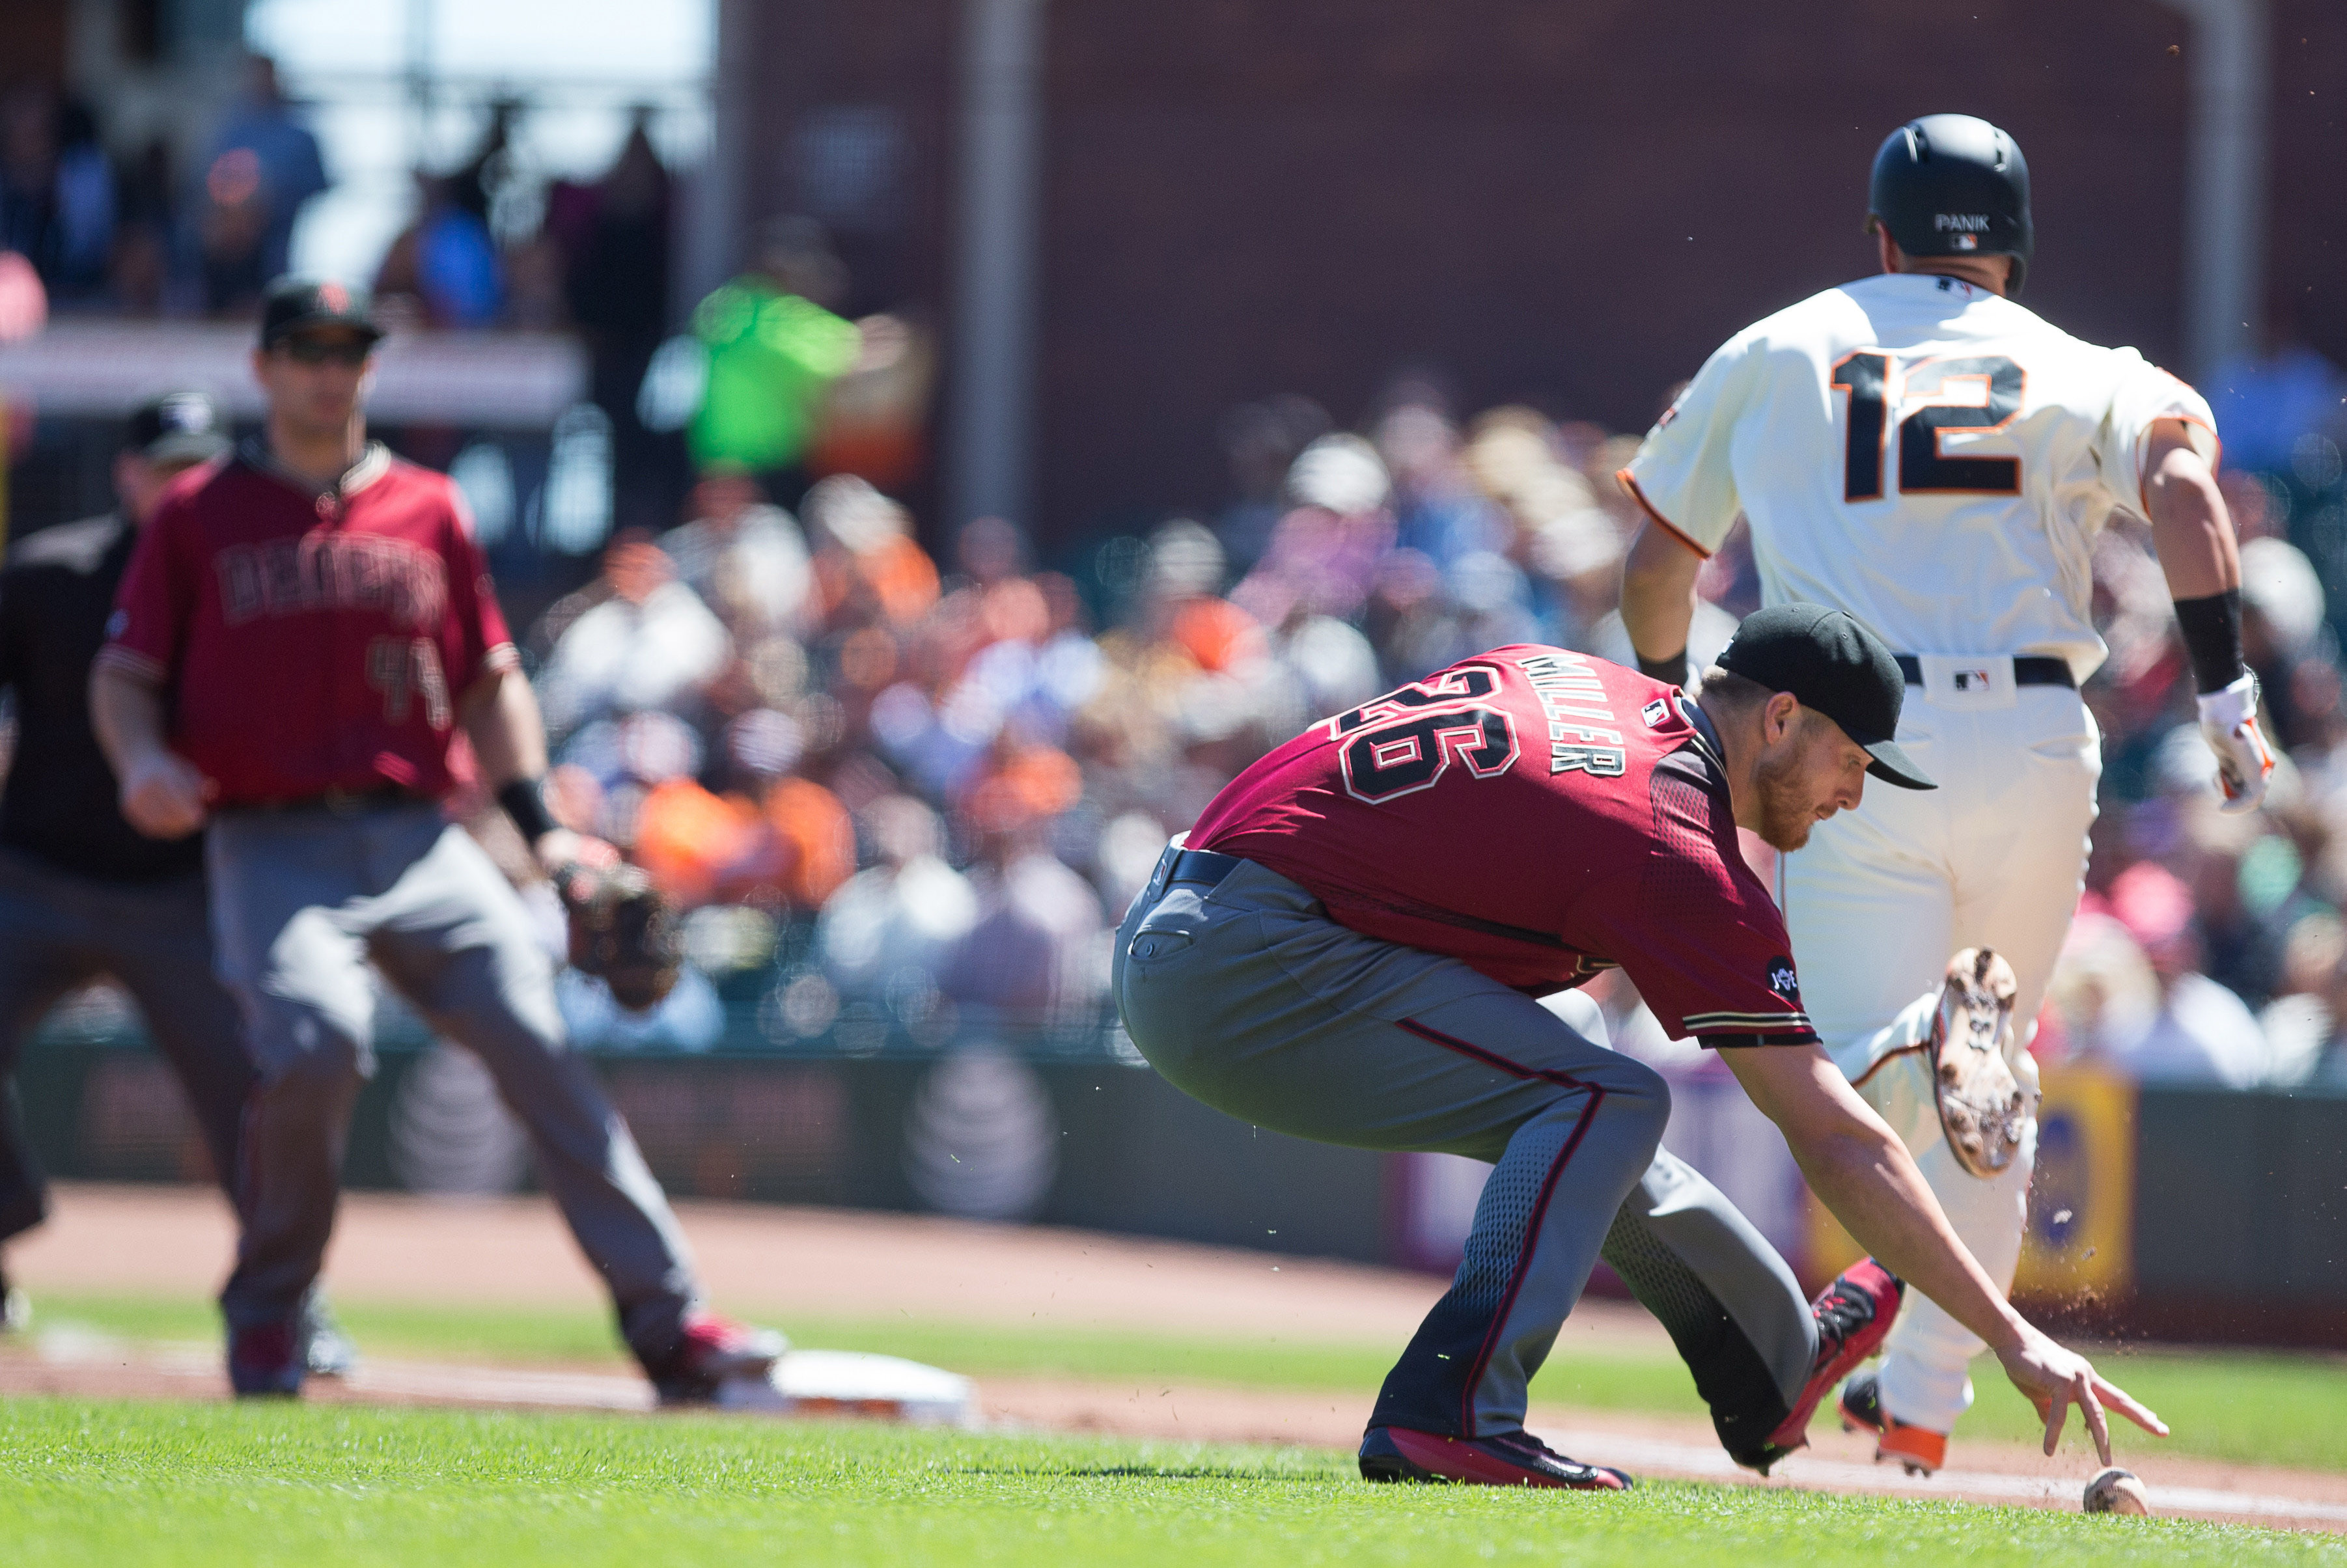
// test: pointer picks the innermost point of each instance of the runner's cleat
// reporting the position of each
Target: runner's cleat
(1508, 1458)
(1919, 1450)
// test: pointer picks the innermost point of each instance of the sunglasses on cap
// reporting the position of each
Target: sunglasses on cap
(347, 351)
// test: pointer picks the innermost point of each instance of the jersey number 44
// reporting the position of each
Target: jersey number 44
(1975, 395)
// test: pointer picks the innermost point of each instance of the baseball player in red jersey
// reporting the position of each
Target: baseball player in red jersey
(1352, 950)
(301, 630)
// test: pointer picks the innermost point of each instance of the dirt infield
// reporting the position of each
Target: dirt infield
(778, 1263)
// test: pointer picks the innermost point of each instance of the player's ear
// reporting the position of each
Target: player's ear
(1779, 717)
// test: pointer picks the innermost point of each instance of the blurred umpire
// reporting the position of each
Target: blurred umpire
(82, 894)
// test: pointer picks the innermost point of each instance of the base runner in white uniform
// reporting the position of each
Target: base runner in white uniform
(1924, 452)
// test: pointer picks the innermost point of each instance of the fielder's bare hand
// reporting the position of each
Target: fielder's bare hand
(2053, 1378)
(164, 795)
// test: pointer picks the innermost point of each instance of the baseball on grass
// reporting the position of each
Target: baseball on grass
(2116, 1491)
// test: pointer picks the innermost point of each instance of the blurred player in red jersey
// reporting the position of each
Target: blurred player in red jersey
(300, 632)
(1352, 951)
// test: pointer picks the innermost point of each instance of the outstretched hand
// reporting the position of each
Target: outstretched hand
(2054, 1379)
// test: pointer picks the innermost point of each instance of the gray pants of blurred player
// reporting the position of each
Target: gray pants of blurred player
(301, 901)
(1247, 996)
(58, 932)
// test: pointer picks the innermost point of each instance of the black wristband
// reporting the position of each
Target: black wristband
(1672, 669)
(2212, 636)
(524, 801)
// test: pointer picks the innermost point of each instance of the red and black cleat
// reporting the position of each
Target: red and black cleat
(1854, 1316)
(713, 1351)
(1510, 1458)
(264, 1361)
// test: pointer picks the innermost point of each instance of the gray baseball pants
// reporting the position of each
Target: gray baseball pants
(57, 933)
(1245, 995)
(303, 900)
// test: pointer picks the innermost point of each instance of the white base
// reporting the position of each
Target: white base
(853, 1383)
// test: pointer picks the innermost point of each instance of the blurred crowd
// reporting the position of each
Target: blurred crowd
(903, 791)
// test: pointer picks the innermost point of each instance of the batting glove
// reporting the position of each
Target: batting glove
(2229, 723)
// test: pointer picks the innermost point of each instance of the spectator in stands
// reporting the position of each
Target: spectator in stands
(745, 558)
(56, 193)
(1261, 442)
(2202, 1032)
(259, 170)
(647, 642)
(905, 914)
(617, 287)
(774, 347)
(445, 261)
(2264, 402)
(1035, 958)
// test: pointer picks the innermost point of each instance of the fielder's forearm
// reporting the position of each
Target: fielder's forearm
(1658, 594)
(127, 716)
(1861, 1171)
(508, 735)
(2190, 527)
(1872, 1186)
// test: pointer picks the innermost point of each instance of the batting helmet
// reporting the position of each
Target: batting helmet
(1951, 185)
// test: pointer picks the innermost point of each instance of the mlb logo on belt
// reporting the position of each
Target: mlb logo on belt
(1973, 680)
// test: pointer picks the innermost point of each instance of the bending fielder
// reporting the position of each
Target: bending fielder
(1351, 954)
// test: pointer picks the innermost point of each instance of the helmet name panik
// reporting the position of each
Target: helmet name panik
(1963, 222)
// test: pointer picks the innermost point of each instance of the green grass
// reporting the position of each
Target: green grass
(2248, 1407)
(316, 1486)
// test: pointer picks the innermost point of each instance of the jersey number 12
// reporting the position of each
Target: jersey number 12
(1924, 470)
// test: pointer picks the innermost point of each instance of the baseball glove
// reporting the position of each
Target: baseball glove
(624, 931)
(1982, 1107)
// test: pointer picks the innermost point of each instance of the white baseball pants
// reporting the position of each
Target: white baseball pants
(1883, 895)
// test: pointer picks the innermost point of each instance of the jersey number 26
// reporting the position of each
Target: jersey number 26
(1924, 470)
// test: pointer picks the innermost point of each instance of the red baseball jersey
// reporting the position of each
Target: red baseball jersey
(310, 642)
(1539, 815)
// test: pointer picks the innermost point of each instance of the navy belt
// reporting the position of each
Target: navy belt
(2028, 670)
(1202, 868)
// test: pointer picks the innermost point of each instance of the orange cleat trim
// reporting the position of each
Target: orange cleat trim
(1920, 1451)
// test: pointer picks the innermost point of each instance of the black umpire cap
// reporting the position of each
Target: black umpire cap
(1831, 662)
(293, 305)
(177, 428)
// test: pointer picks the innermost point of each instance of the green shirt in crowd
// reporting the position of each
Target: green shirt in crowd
(771, 355)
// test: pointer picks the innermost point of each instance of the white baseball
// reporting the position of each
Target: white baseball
(2116, 1491)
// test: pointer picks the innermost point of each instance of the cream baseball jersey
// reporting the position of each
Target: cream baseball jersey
(1924, 453)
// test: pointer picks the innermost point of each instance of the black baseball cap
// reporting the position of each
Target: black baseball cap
(177, 428)
(1833, 664)
(292, 304)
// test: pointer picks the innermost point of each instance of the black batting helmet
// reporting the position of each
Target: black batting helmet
(1951, 185)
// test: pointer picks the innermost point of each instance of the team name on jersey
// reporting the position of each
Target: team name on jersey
(334, 571)
(1572, 695)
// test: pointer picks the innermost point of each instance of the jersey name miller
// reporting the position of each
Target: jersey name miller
(1572, 695)
(332, 571)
